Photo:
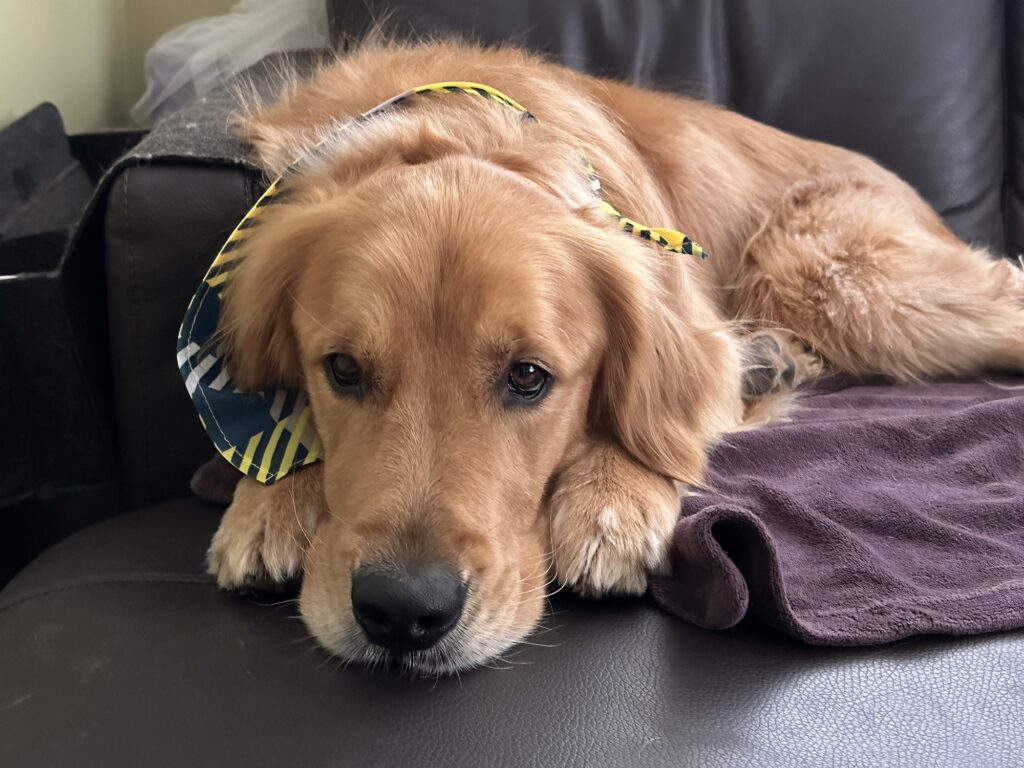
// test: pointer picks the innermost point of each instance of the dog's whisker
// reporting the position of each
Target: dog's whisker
(278, 604)
(298, 520)
(541, 645)
(299, 640)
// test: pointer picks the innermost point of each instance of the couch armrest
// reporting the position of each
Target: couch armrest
(164, 223)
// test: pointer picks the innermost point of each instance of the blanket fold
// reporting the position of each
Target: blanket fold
(876, 513)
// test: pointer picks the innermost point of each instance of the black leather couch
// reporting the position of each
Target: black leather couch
(116, 649)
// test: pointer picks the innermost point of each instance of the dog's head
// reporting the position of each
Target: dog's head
(463, 323)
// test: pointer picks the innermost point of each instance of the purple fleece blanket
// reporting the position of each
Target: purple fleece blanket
(876, 513)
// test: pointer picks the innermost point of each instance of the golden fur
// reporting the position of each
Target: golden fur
(444, 241)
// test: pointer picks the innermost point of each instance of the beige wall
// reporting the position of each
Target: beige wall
(85, 56)
(146, 21)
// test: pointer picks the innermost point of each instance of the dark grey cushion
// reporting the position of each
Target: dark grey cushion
(917, 84)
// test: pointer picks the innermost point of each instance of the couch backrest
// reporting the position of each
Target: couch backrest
(916, 84)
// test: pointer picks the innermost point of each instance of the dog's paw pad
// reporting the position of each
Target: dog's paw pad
(769, 367)
(777, 362)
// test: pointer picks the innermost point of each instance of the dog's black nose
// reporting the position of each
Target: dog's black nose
(407, 609)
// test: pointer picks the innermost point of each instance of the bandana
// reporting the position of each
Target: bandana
(268, 434)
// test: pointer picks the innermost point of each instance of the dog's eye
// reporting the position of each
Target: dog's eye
(527, 380)
(343, 372)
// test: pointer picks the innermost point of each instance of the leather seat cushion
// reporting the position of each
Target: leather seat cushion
(116, 649)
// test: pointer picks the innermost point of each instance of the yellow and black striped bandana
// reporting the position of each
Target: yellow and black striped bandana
(268, 434)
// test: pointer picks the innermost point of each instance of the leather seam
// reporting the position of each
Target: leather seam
(133, 313)
(135, 578)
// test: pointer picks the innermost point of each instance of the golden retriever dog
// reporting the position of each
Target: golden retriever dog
(510, 390)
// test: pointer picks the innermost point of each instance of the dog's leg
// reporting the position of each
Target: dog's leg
(872, 281)
(611, 522)
(264, 534)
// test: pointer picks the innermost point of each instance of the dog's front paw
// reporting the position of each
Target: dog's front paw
(264, 534)
(611, 525)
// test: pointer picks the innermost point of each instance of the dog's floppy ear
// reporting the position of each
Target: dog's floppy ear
(255, 330)
(669, 381)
